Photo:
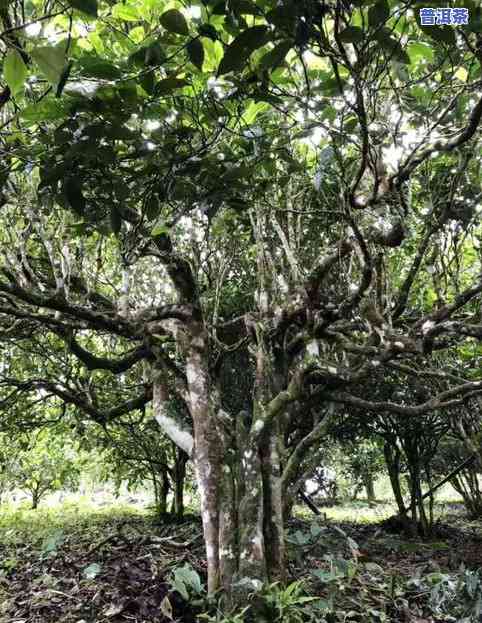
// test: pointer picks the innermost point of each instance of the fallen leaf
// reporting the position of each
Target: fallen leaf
(166, 608)
(114, 609)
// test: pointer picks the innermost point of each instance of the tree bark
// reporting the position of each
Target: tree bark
(392, 461)
(273, 508)
(164, 492)
(179, 479)
(238, 470)
(369, 487)
(35, 499)
(209, 446)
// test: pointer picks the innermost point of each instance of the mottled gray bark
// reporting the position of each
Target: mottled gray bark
(238, 470)
(273, 508)
(209, 445)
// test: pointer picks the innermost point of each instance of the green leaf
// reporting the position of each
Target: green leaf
(327, 576)
(92, 571)
(351, 123)
(148, 82)
(253, 110)
(276, 56)
(208, 30)
(195, 52)
(127, 90)
(89, 7)
(315, 530)
(51, 61)
(299, 538)
(418, 50)
(150, 55)
(96, 67)
(160, 230)
(239, 50)
(166, 86)
(187, 577)
(126, 13)
(331, 86)
(174, 21)
(52, 542)
(378, 13)
(15, 71)
(154, 55)
(46, 110)
(352, 34)
(180, 587)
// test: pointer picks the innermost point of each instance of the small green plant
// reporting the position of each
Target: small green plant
(221, 617)
(457, 595)
(7, 565)
(286, 605)
(271, 603)
(92, 571)
(187, 582)
(51, 543)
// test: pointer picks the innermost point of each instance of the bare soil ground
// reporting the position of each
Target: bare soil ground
(118, 569)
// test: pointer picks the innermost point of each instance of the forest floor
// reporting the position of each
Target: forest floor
(78, 564)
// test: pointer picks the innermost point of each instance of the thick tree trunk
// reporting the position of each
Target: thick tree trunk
(209, 447)
(252, 558)
(238, 472)
(261, 545)
(252, 478)
(273, 508)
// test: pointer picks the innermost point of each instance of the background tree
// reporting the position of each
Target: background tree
(42, 463)
(134, 454)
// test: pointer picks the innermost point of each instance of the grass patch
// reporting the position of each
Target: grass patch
(20, 524)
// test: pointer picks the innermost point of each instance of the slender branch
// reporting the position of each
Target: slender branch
(446, 146)
(448, 398)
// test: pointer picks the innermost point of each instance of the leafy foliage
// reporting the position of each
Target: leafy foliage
(40, 464)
